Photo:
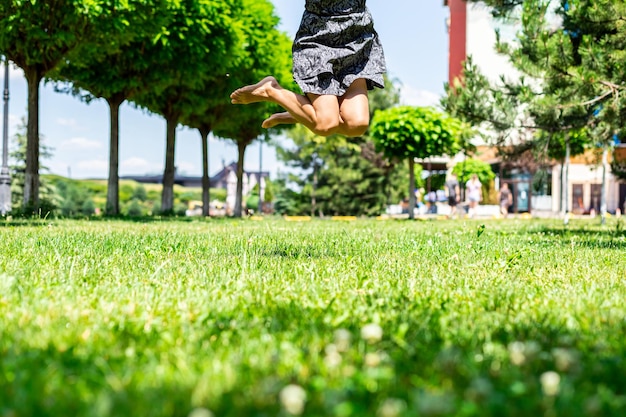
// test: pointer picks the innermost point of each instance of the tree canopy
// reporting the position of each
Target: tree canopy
(570, 55)
(37, 36)
(265, 51)
(201, 42)
(116, 73)
(407, 133)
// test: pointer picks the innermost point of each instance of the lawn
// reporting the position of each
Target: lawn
(368, 318)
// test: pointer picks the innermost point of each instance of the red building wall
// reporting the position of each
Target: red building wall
(458, 38)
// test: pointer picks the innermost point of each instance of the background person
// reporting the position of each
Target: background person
(453, 191)
(505, 197)
(474, 191)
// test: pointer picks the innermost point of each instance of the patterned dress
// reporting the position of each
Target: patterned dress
(335, 45)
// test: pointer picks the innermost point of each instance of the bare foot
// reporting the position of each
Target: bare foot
(254, 93)
(279, 119)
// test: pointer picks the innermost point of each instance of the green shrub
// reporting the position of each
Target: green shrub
(134, 209)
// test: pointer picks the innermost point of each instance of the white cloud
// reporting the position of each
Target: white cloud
(14, 122)
(96, 164)
(185, 167)
(81, 143)
(139, 166)
(97, 168)
(14, 73)
(67, 122)
(413, 97)
(135, 163)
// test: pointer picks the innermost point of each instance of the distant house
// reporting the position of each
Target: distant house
(226, 179)
(537, 187)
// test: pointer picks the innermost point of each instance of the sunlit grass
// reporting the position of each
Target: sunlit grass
(162, 318)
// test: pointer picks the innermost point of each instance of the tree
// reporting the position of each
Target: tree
(342, 175)
(310, 155)
(572, 52)
(17, 156)
(470, 166)
(408, 132)
(117, 72)
(197, 50)
(140, 193)
(37, 36)
(245, 130)
(267, 51)
(339, 176)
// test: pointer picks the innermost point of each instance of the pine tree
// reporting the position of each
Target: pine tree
(17, 168)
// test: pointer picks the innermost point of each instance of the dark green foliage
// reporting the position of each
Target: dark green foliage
(140, 193)
(74, 196)
(134, 209)
(288, 201)
(415, 132)
(88, 207)
(470, 166)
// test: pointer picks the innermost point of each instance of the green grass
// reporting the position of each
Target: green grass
(159, 319)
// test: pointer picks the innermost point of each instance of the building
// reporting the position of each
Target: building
(471, 30)
(225, 179)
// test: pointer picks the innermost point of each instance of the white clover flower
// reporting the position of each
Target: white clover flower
(7, 283)
(564, 359)
(516, 352)
(391, 407)
(372, 360)
(372, 333)
(332, 358)
(200, 412)
(550, 382)
(293, 398)
(342, 340)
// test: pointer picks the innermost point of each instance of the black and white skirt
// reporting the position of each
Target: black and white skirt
(335, 45)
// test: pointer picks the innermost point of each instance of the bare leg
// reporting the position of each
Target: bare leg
(318, 113)
(284, 118)
(354, 110)
(323, 114)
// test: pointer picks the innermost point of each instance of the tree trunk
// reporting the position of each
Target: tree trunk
(562, 193)
(113, 187)
(31, 179)
(241, 149)
(412, 202)
(206, 181)
(167, 196)
(566, 182)
(260, 205)
(603, 203)
(314, 188)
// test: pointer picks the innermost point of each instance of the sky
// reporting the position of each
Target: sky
(414, 37)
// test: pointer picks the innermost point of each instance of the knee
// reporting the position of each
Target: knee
(357, 126)
(326, 126)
